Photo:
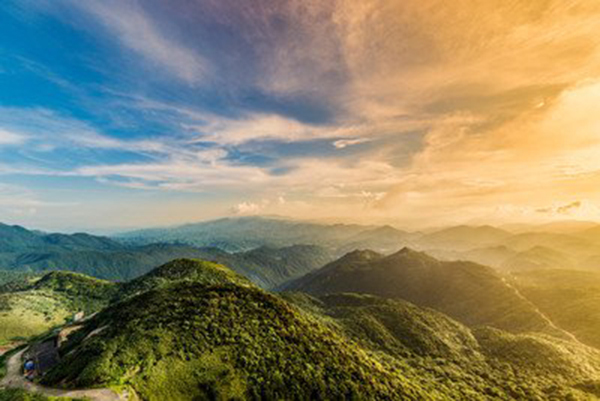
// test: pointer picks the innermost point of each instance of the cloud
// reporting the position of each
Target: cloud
(11, 138)
(343, 143)
(18, 202)
(177, 175)
(562, 209)
(129, 24)
(246, 208)
(503, 94)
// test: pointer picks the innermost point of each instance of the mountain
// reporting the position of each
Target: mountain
(246, 233)
(269, 267)
(570, 244)
(192, 341)
(525, 250)
(32, 306)
(181, 271)
(570, 298)
(384, 239)
(13, 239)
(538, 258)
(557, 227)
(195, 330)
(395, 326)
(590, 234)
(494, 256)
(471, 293)
(22, 250)
(462, 238)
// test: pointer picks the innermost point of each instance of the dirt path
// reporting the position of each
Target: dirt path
(14, 379)
(7, 348)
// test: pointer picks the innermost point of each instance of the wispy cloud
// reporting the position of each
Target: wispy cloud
(127, 22)
(344, 143)
(503, 95)
(11, 138)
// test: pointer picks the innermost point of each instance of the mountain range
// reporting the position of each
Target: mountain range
(198, 330)
(273, 250)
(106, 258)
(570, 245)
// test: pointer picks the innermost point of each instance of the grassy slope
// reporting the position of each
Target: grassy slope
(32, 307)
(570, 298)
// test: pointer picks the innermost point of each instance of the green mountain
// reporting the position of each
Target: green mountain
(471, 293)
(22, 250)
(198, 331)
(181, 271)
(30, 307)
(188, 340)
(570, 298)
(484, 363)
(269, 267)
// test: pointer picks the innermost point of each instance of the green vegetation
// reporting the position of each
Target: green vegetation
(25, 314)
(84, 293)
(196, 330)
(8, 278)
(183, 270)
(570, 298)
(361, 328)
(190, 341)
(484, 363)
(400, 328)
(25, 252)
(471, 293)
(31, 307)
(22, 395)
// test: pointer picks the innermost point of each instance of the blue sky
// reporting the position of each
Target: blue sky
(121, 114)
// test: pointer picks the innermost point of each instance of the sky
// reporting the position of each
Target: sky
(121, 114)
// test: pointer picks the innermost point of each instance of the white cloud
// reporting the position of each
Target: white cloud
(137, 31)
(246, 208)
(344, 143)
(11, 138)
(178, 175)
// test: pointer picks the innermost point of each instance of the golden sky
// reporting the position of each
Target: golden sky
(417, 112)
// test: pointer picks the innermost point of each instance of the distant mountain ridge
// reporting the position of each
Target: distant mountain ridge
(106, 258)
(271, 251)
(244, 233)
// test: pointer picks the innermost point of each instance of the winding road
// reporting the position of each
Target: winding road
(14, 379)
